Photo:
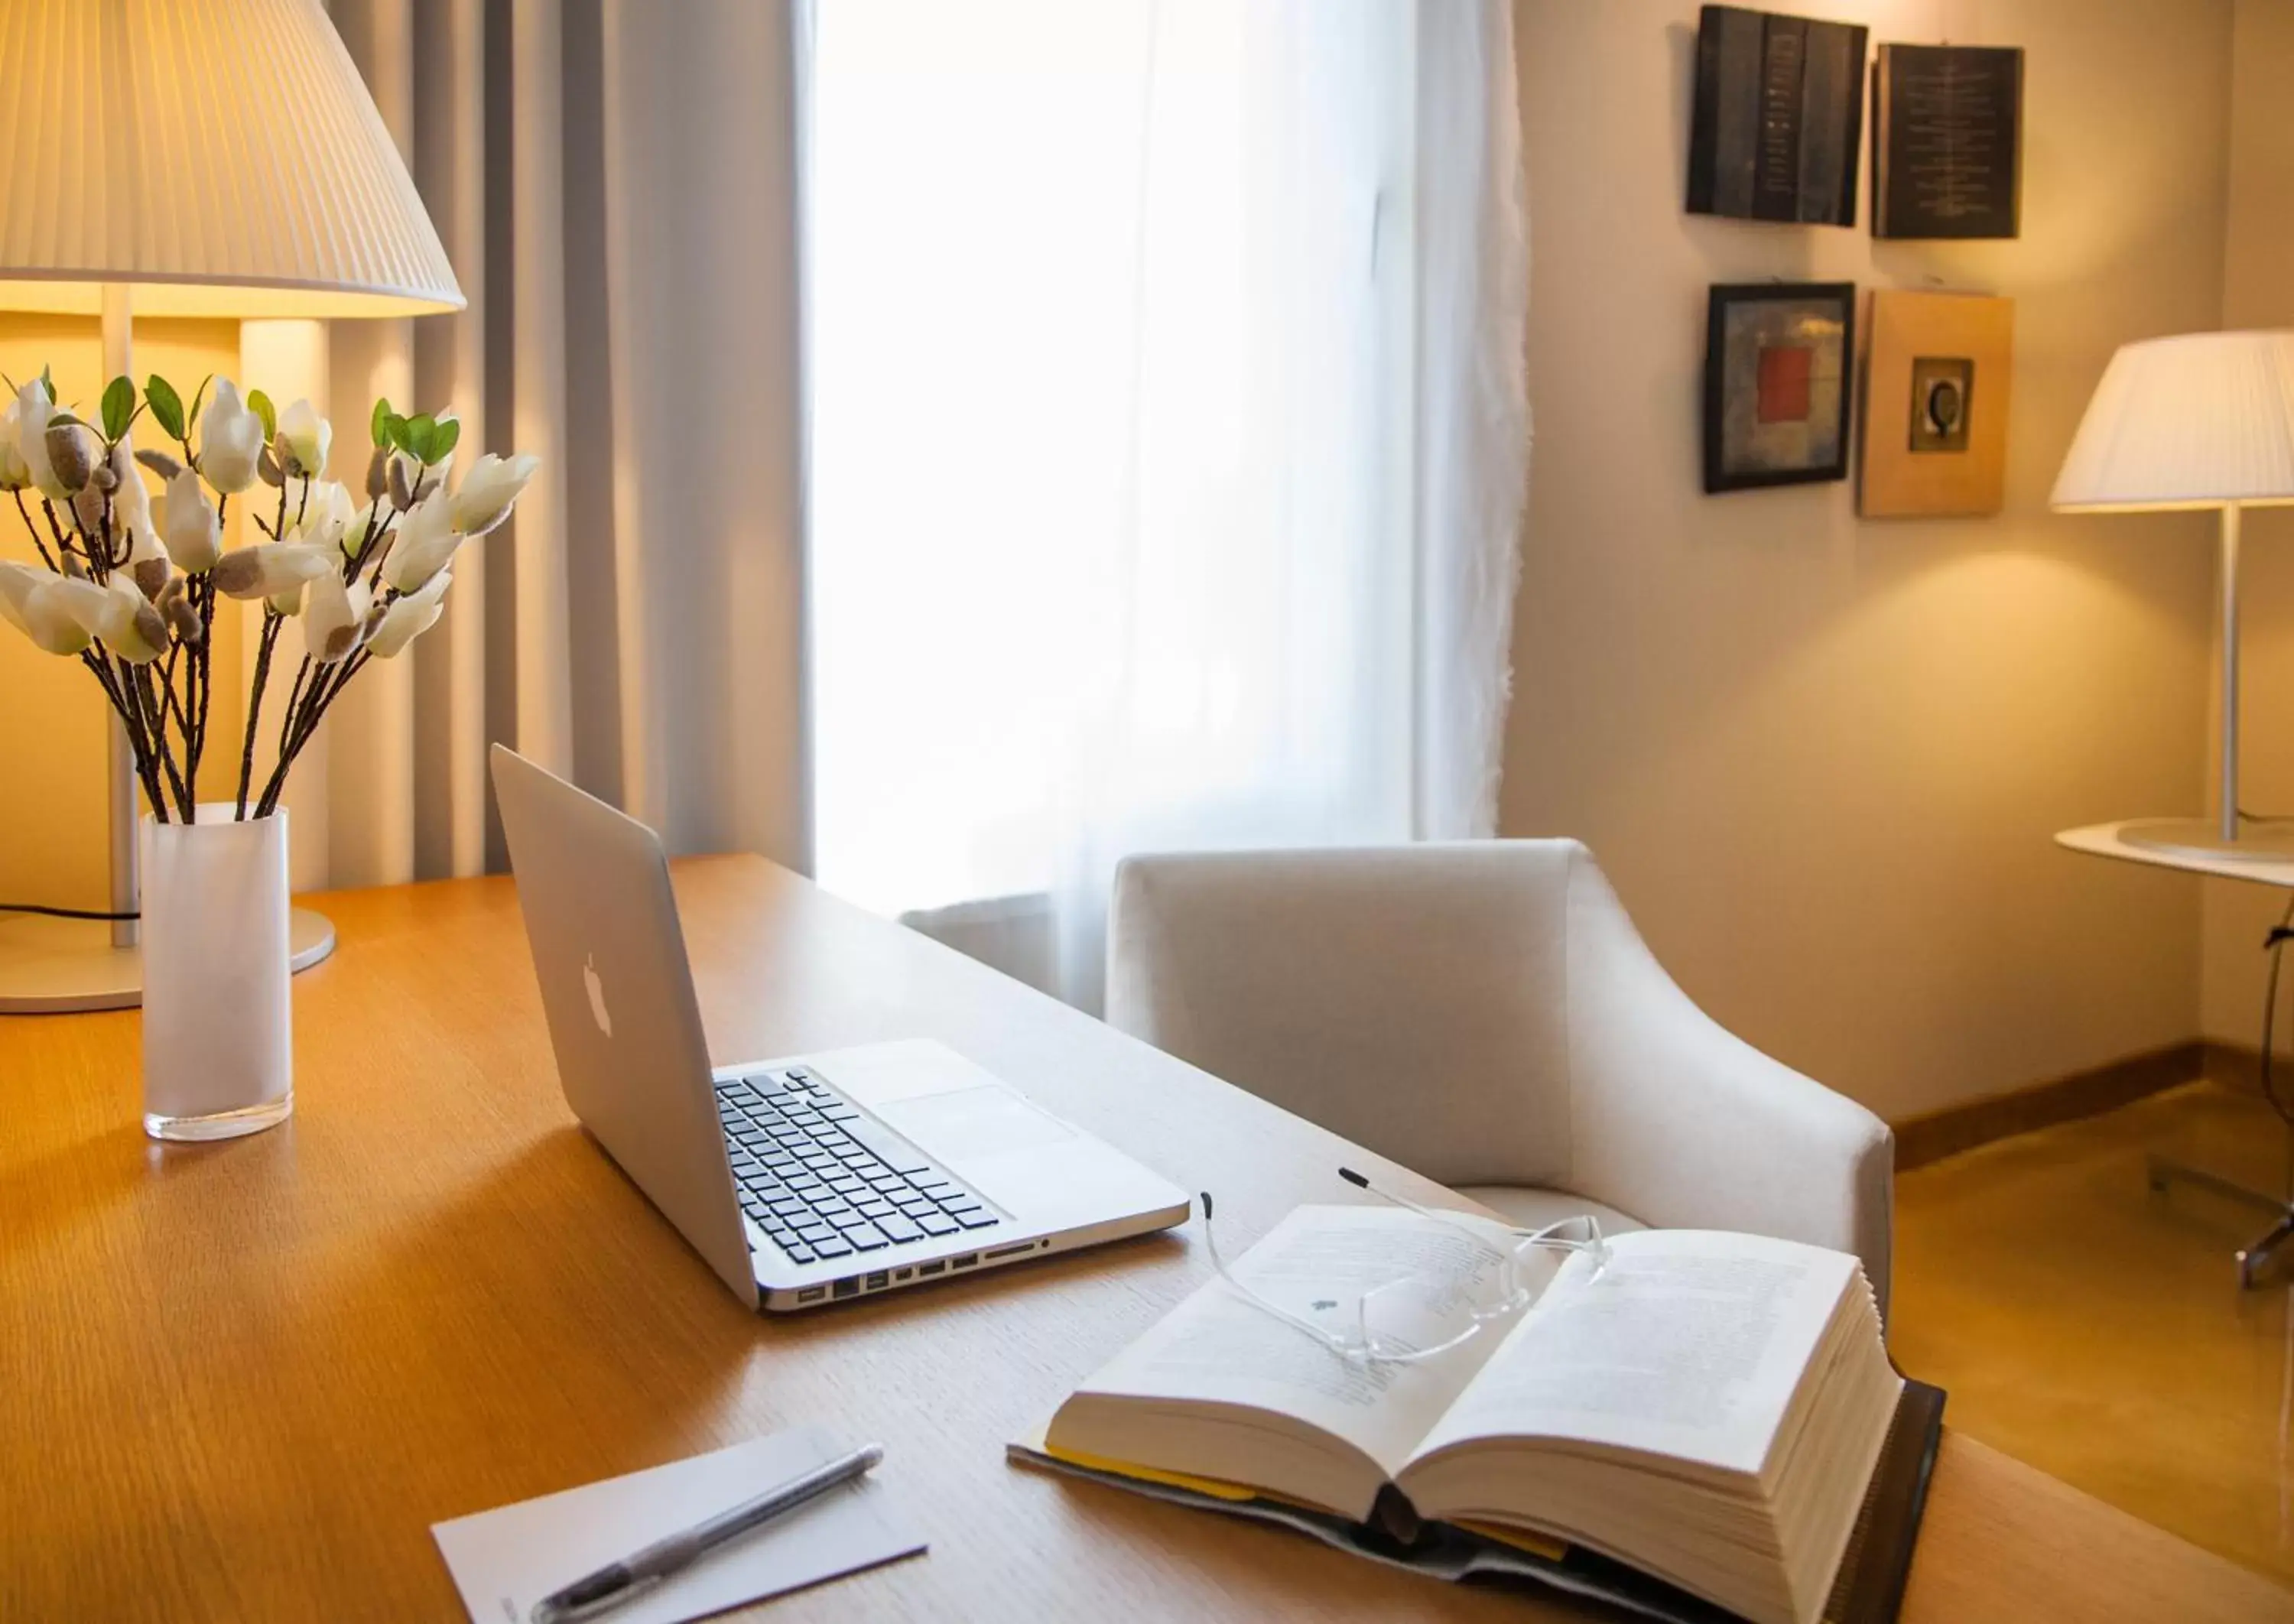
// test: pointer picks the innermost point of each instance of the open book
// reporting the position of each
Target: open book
(1705, 1408)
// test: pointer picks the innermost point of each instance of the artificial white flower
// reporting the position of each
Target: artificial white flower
(40, 604)
(327, 513)
(191, 527)
(122, 616)
(490, 490)
(147, 557)
(14, 474)
(410, 617)
(231, 441)
(33, 411)
(271, 569)
(424, 546)
(73, 453)
(308, 436)
(334, 617)
(131, 498)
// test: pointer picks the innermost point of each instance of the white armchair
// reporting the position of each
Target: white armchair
(1485, 1013)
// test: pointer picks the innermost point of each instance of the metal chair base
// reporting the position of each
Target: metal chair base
(2251, 1259)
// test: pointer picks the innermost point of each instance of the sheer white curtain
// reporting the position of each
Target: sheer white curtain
(1168, 441)
(618, 195)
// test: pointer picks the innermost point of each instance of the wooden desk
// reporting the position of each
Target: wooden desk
(241, 1381)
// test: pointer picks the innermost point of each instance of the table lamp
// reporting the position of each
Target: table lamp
(188, 158)
(2204, 420)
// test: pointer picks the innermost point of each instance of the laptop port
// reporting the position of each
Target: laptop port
(1025, 1246)
(904, 1274)
(966, 1262)
(879, 1280)
(923, 1269)
(812, 1294)
(847, 1287)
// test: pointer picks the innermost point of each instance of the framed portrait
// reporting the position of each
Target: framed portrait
(1778, 358)
(1935, 405)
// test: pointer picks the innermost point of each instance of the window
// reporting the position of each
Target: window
(1110, 354)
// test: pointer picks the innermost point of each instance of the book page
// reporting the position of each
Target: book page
(1689, 1344)
(1219, 1347)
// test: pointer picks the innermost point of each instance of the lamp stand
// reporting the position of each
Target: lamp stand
(2226, 834)
(61, 966)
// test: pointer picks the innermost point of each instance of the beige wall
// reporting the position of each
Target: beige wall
(51, 714)
(1822, 759)
(2258, 291)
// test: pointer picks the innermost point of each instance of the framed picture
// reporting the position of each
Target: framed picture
(1947, 142)
(1778, 358)
(1935, 405)
(1776, 121)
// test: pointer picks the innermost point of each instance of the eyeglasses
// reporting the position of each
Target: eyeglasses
(1417, 1316)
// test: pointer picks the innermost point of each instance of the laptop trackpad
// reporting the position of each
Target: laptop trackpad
(969, 1122)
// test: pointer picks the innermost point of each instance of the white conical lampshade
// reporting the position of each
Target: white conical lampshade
(2201, 420)
(221, 156)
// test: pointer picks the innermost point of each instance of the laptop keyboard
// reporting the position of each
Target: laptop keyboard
(825, 1180)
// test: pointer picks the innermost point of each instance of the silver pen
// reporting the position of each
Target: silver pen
(633, 1575)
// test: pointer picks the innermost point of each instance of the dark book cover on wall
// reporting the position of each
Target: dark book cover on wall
(1947, 142)
(1778, 118)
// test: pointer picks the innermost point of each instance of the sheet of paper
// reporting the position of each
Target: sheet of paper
(506, 1560)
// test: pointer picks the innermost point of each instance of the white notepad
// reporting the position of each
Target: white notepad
(506, 1560)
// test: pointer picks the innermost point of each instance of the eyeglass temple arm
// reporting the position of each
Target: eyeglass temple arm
(1360, 1183)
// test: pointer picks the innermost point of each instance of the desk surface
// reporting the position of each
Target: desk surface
(2106, 841)
(243, 1380)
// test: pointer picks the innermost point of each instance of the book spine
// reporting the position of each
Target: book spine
(1784, 61)
(1728, 44)
(1704, 110)
(1832, 102)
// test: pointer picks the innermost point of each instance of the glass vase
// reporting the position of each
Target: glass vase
(217, 1052)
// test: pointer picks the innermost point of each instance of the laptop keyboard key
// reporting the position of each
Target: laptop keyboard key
(866, 1237)
(899, 1228)
(935, 1223)
(975, 1219)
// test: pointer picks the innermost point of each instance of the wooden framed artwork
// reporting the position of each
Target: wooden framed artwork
(1947, 142)
(1935, 405)
(1778, 358)
(1777, 121)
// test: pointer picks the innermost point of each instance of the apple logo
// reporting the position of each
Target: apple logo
(596, 985)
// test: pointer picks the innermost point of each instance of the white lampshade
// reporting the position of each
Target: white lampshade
(2201, 420)
(223, 156)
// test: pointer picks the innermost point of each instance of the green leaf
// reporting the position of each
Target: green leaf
(63, 420)
(395, 428)
(421, 432)
(198, 401)
(118, 408)
(48, 384)
(166, 405)
(443, 442)
(377, 426)
(259, 403)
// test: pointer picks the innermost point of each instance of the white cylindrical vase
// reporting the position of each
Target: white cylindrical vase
(218, 1058)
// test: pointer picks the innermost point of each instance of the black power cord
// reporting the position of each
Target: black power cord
(2274, 944)
(48, 912)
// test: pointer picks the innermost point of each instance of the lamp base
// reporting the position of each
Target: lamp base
(67, 966)
(2258, 841)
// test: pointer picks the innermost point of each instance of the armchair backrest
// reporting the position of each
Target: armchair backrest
(1412, 998)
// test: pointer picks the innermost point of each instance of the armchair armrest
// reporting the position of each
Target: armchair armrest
(1677, 1121)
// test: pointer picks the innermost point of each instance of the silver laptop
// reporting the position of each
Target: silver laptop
(802, 1182)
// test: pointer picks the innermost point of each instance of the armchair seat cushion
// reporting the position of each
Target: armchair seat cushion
(1534, 1206)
